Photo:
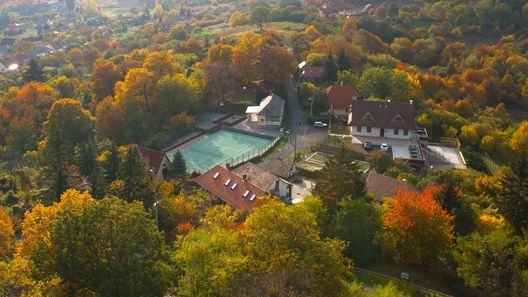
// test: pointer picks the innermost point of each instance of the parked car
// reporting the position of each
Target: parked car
(384, 147)
(320, 124)
(367, 145)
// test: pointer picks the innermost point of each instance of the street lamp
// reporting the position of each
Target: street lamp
(155, 206)
(311, 106)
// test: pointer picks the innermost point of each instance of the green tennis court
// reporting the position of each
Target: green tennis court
(222, 147)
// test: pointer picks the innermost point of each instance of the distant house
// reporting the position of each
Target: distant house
(340, 98)
(269, 113)
(43, 23)
(14, 29)
(157, 161)
(8, 65)
(230, 187)
(382, 186)
(312, 73)
(328, 11)
(382, 119)
(264, 179)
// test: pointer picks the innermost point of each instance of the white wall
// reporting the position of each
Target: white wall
(389, 133)
(283, 187)
(375, 132)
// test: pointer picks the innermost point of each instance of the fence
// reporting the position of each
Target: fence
(492, 166)
(233, 162)
(425, 291)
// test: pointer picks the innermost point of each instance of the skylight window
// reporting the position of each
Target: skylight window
(246, 193)
(252, 197)
(216, 175)
(227, 182)
(234, 186)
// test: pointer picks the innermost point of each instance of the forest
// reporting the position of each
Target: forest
(81, 214)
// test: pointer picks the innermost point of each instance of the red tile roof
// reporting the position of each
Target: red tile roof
(382, 186)
(313, 72)
(153, 157)
(341, 97)
(234, 197)
(383, 115)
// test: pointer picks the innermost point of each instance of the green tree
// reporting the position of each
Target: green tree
(70, 4)
(33, 72)
(287, 255)
(511, 198)
(343, 60)
(134, 180)
(211, 260)
(112, 249)
(68, 127)
(260, 14)
(357, 222)
(490, 262)
(341, 177)
(330, 68)
(178, 167)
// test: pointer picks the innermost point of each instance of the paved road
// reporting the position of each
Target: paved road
(306, 134)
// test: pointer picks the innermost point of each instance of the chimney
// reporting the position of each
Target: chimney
(244, 177)
(411, 102)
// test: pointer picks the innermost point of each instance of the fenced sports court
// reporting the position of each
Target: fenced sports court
(222, 147)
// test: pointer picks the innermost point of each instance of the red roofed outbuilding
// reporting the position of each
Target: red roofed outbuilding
(340, 98)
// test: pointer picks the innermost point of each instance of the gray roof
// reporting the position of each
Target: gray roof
(272, 105)
(257, 175)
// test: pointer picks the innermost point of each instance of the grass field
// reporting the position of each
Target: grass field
(222, 30)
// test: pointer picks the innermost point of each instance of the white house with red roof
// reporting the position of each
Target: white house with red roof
(382, 119)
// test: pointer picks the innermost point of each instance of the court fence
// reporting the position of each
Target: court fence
(246, 157)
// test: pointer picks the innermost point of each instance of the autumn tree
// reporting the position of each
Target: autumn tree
(7, 236)
(67, 87)
(104, 76)
(287, 255)
(340, 177)
(112, 248)
(416, 229)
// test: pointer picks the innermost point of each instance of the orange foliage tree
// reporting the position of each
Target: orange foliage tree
(416, 229)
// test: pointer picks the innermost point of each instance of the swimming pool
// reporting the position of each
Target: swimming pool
(221, 147)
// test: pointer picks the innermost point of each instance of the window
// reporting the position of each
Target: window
(358, 128)
(406, 132)
(396, 131)
(369, 129)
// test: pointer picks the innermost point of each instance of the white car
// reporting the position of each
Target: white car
(384, 147)
(320, 124)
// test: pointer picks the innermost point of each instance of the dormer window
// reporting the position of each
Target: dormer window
(368, 117)
(398, 119)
